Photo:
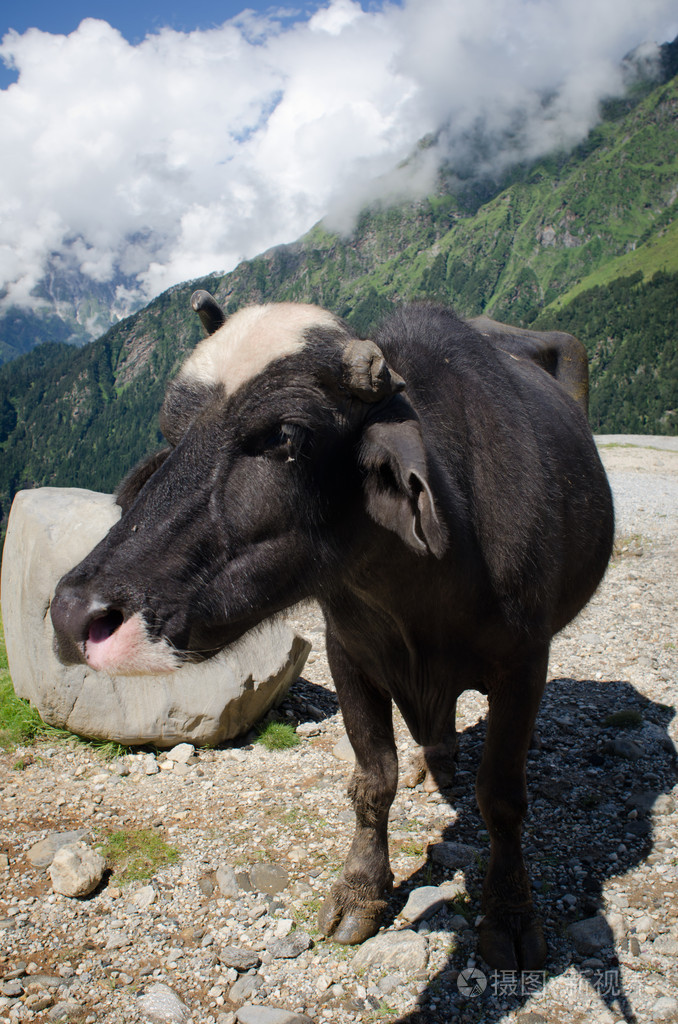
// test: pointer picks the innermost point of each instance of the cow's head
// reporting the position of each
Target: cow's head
(293, 449)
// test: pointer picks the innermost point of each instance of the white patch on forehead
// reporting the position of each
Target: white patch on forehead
(251, 339)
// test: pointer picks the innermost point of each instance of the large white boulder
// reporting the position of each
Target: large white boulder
(50, 530)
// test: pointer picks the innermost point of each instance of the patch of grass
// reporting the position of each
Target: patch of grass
(412, 849)
(462, 905)
(277, 736)
(626, 719)
(20, 722)
(134, 855)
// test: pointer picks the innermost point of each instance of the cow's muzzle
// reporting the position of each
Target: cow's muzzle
(78, 621)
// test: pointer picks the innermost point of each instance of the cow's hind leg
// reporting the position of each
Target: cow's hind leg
(353, 910)
(510, 934)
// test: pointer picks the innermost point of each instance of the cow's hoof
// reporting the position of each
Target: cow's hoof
(347, 925)
(416, 770)
(520, 946)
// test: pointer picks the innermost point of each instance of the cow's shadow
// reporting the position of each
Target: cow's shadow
(602, 757)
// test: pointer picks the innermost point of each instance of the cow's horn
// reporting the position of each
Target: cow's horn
(211, 315)
(367, 374)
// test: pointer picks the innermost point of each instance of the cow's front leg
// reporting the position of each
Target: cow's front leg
(353, 910)
(510, 934)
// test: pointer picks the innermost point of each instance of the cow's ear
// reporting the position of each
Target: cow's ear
(128, 490)
(397, 489)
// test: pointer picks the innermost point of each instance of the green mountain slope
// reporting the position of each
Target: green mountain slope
(586, 241)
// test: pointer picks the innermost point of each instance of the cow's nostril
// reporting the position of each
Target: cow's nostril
(104, 626)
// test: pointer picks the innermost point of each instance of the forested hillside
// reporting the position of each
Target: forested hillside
(586, 241)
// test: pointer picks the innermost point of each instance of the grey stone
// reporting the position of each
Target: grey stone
(404, 950)
(624, 746)
(269, 878)
(65, 1010)
(118, 940)
(663, 804)
(452, 855)
(181, 753)
(160, 1003)
(227, 882)
(144, 898)
(390, 983)
(666, 1008)
(617, 926)
(343, 750)
(12, 988)
(591, 935)
(667, 945)
(76, 870)
(244, 988)
(291, 946)
(42, 854)
(423, 903)
(646, 925)
(49, 981)
(249, 1014)
(49, 531)
(240, 959)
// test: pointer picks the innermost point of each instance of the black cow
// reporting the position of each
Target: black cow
(437, 490)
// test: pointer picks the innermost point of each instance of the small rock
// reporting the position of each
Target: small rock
(452, 855)
(290, 947)
(42, 854)
(181, 752)
(591, 935)
(269, 878)
(206, 885)
(12, 988)
(645, 925)
(390, 983)
(244, 988)
(76, 870)
(617, 926)
(343, 750)
(667, 945)
(227, 882)
(423, 903)
(404, 950)
(149, 765)
(665, 1008)
(161, 1003)
(663, 804)
(240, 959)
(249, 1014)
(65, 1010)
(306, 729)
(144, 898)
(624, 746)
(118, 940)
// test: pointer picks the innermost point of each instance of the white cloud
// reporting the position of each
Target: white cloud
(187, 152)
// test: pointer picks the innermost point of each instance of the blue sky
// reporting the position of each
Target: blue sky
(134, 18)
(143, 158)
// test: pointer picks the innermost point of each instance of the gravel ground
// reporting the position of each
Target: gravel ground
(260, 835)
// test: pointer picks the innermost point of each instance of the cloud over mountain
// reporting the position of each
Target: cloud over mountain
(187, 152)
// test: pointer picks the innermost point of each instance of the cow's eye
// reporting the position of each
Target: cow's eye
(284, 442)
